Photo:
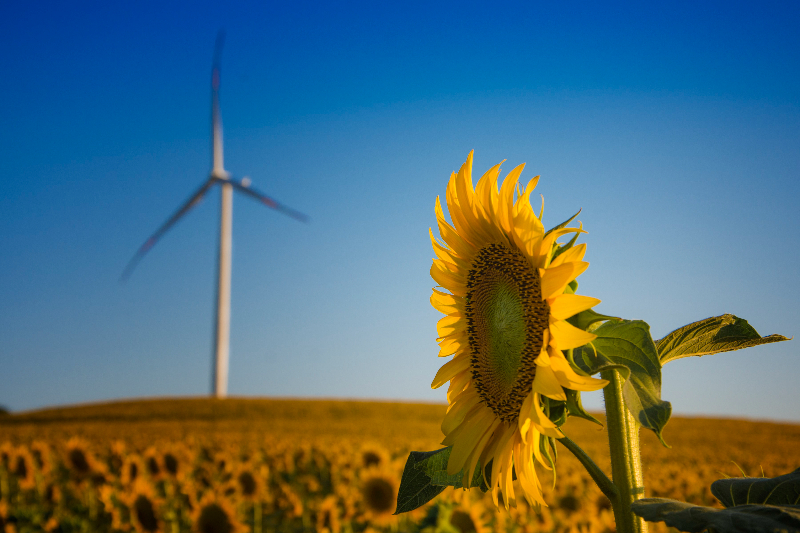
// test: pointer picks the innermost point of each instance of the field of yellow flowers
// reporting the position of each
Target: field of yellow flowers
(269, 465)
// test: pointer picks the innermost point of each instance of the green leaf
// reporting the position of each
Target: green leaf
(781, 490)
(425, 476)
(627, 346)
(416, 488)
(572, 287)
(712, 335)
(740, 519)
(556, 411)
(435, 466)
(585, 319)
(563, 224)
(575, 407)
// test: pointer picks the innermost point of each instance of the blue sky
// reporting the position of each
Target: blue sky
(675, 128)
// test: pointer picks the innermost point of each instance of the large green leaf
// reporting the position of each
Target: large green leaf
(626, 346)
(416, 488)
(425, 477)
(781, 490)
(740, 519)
(712, 335)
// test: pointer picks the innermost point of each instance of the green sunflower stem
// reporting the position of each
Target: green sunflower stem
(626, 459)
(600, 478)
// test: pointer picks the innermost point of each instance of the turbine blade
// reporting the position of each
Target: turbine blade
(150, 242)
(264, 199)
(217, 162)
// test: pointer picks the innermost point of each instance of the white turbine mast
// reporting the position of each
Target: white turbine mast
(218, 176)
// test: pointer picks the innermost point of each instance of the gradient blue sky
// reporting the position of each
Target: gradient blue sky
(676, 128)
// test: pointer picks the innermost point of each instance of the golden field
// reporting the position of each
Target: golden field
(263, 465)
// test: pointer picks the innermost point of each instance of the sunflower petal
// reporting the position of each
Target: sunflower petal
(541, 422)
(469, 439)
(447, 303)
(450, 236)
(458, 410)
(474, 458)
(545, 382)
(443, 273)
(555, 279)
(570, 379)
(575, 253)
(564, 306)
(457, 385)
(450, 345)
(486, 191)
(506, 201)
(449, 325)
(450, 370)
(568, 336)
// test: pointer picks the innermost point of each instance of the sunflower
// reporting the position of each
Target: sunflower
(246, 482)
(42, 455)
(215, 514)
(510, 294)
(379, 488)
(145, 508)
(6, 452)
(116, 457)
(22, 467)
(82, 463)
(132, 467)
(373, 455)
(470, 518)
(152, 463)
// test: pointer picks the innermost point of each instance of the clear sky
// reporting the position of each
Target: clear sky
(675, 127)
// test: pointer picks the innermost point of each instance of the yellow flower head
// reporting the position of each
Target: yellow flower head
(506, 303)
(379, 486)
(215, 513)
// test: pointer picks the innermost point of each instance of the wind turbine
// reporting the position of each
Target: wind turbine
(218, 176)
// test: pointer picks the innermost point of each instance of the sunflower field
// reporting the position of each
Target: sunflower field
(257, 465)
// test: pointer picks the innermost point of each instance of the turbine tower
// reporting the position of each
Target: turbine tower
(218, 176)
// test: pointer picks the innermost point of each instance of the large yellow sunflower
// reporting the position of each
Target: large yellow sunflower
(505, 327)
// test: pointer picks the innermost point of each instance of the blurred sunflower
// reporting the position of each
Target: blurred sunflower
(379, 488)
(132, 467)
(508, 301)
(145, 508)
(215, 514)
(373, 455)
(22, 467)
(6, 451)
(42, 456)
(116, 457)
(81, 462)
(471, 518)
(175, 461)
(247, 483)
(152, 463)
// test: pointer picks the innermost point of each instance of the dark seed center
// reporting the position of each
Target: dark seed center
(506, 320)
(214, 519)
(379, 495)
